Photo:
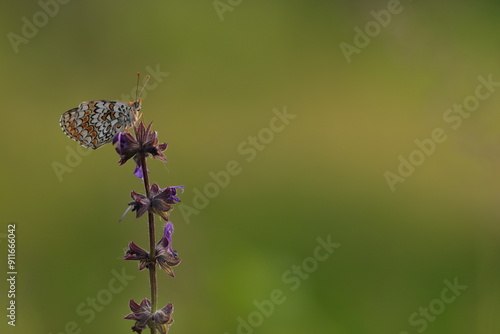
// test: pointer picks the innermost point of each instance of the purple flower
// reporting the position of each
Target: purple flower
(143, 145)
(161, 201)
(165, 256)
(143, 316)
(168, 230)
(127, 146)
(138, 171)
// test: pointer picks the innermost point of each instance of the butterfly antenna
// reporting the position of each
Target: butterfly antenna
(137, 86)
(145, 83)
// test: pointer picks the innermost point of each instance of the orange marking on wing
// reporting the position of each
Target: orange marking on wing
(72, 131)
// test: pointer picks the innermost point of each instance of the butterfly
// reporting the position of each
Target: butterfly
(95, 123)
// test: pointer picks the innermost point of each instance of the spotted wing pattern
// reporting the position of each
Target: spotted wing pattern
(95, 123)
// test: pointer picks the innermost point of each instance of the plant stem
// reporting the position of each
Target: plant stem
(152, 244)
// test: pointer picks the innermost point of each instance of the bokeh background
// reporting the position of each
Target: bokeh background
(323, 175)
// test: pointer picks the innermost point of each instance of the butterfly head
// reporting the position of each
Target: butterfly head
(136, 105)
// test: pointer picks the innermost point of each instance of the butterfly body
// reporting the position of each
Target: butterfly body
(95, 123)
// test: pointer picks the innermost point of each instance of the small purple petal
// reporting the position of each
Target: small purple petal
(174, 189)
(167, 232)
(138, 172)
(116, 137)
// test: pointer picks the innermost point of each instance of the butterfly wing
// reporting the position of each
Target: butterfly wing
(71, 123)
(95, 123)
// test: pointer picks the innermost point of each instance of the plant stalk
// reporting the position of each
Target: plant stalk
(152, 245)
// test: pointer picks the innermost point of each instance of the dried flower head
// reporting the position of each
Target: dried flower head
(143, 316)
(161, 201)
(163, 318)
(136, 253)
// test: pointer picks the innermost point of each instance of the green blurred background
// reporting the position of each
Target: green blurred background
(322, 175)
